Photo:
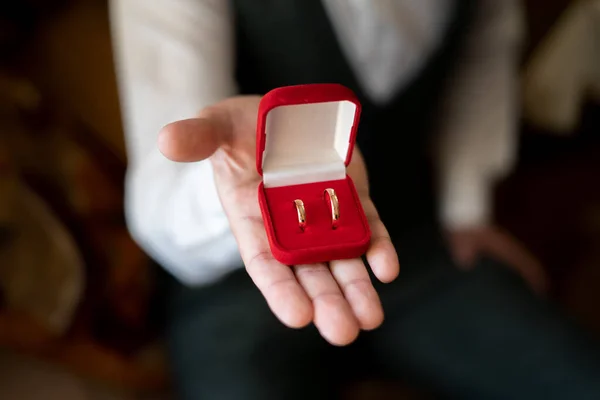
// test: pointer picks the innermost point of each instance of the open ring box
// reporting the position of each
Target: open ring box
(305, 140)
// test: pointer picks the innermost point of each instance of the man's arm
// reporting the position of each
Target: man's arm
(172, 59)
(478, 138)
(478, 142)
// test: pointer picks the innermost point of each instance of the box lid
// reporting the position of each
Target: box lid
(306, 134)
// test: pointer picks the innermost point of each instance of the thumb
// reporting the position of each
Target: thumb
(198, 138)
(191, 139)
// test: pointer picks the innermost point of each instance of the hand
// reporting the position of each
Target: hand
(468, 244)
(339, 298)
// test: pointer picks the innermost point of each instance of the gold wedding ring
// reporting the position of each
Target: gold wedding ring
(335, 207)
(301, 213)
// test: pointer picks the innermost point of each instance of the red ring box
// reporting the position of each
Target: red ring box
(305, 139)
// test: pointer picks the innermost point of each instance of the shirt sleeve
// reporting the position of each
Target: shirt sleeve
(478, 131)
(173, 58)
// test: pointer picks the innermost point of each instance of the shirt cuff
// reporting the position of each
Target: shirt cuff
(466, 199)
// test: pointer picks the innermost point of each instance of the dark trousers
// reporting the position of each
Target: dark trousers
(469, 335)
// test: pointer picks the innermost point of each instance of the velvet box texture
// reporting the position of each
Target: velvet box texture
(305, 140)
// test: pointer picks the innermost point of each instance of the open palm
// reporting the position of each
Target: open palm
(339, 297)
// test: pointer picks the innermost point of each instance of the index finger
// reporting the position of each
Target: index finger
(381, 255)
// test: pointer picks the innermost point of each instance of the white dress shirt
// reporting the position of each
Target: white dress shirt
(174, 57)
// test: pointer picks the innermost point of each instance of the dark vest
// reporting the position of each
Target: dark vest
(288, 42)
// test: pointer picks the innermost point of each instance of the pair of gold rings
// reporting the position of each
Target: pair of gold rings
(333, 203)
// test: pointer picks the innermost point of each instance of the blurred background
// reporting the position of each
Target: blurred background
(77, 318)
